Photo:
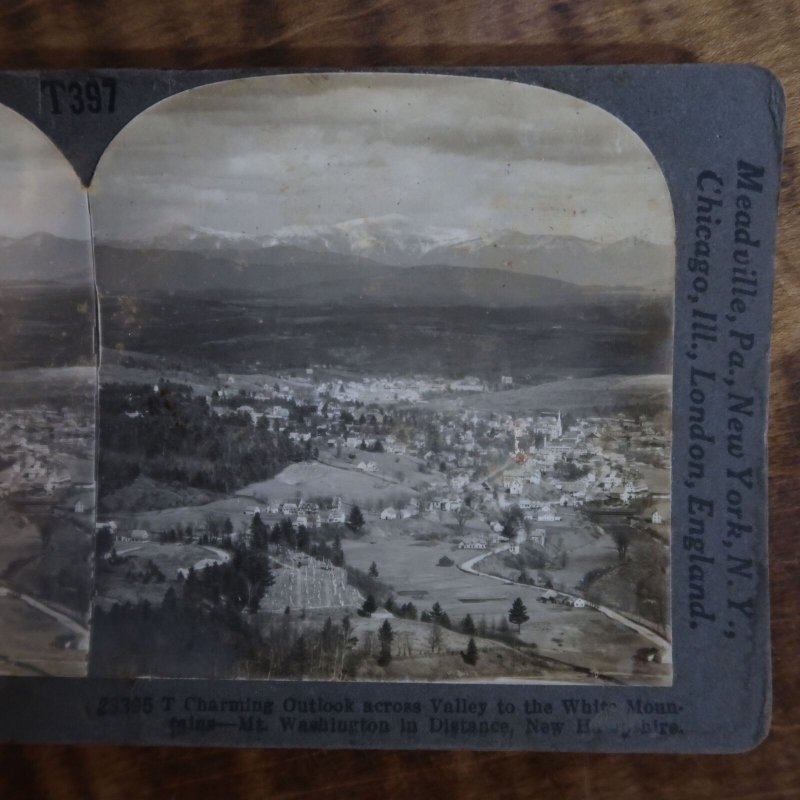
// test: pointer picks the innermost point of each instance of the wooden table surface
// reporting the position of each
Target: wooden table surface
(353, 33)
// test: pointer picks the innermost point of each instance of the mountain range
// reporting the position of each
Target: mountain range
(42, 257)
(287, 275)
(379, 260)
(394, 240)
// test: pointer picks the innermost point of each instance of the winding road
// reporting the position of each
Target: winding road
(659, 641)
(81, 631)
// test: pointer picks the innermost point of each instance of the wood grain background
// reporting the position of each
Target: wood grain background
(351, 33)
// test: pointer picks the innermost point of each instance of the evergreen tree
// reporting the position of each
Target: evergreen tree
(170, 601)
(468, 625)
(385, 637)
(337, 556)
(258, 531)
(439, 616)
(303, 538)
(471, 656)
(254, 570)
(373, 570)
(299, 657)
(370, 606)
(355, 520)
(518, 614)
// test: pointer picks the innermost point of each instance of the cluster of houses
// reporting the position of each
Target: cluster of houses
(537, 536)
(36, 446)
(307, 513)
(541, 464)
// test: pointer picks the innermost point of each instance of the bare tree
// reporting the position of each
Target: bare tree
(435, 638)
(462, 514)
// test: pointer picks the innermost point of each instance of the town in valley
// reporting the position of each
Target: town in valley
(404, 527)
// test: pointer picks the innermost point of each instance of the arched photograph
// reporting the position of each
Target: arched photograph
(385, 386)
(48, 373)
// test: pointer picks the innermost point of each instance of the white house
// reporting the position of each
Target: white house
(547, 515)
(389, 513)
(139, 535)
(473, 543)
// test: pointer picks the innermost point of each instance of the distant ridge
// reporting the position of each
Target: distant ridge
(287, 276)
(394, 240)
(44, 258)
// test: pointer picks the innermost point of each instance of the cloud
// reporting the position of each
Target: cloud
(441, 150)
(39, 191)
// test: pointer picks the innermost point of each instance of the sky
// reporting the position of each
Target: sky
(256, 155)
(39, 191)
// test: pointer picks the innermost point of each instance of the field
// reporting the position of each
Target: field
(414, 659)
(657, 478)
(581, 637)
(157, 520)
(113, 582)
(20, 541)
(581, 395)
(28, 386)
(144, 492)
(244, 334)
(46, 326)
(395, 482)
(33, 643)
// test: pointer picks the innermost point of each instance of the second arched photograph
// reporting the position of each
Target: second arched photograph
(385, 386)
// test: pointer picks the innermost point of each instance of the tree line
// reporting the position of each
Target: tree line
(171, 436)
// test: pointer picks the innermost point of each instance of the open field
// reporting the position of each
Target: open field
(33, 643)
(156, 520)
(30, 385)
(113, 585)
(20, 541)
(658, 479)
(414, 659)
(578, 636)
(579, 395)
(326, 479)
(245, 333)
(144, 492)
